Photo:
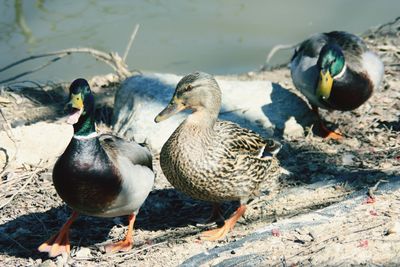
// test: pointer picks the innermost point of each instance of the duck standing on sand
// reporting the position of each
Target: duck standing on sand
(103, 176)
(335, 71)
(214, 160)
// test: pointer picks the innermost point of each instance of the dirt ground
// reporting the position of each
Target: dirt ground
(321, 216)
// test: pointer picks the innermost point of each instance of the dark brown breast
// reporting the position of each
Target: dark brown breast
(350, 92)
(85, 178)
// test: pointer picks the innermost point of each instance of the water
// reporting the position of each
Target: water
(220, 37)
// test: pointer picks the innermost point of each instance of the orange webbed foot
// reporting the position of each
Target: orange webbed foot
(328, 134)
(56, 245)
(127, 243)
(59, 243)
(219, 233)
(215, 234)
(333, 135)
(325, 132)
(123, 245)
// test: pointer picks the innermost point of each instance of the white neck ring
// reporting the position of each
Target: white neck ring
(85, 137)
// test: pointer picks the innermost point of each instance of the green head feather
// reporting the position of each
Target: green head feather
(82, 107)
(331, 64)
(331, 59)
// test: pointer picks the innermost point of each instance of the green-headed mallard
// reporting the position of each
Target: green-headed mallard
(335, 71)
(210, 159)
(102, 176)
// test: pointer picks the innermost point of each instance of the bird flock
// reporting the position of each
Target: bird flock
(206, 158)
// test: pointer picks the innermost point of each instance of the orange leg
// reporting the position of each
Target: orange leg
(326, 133)
(127, 243)
(219, 233)
(59, 243)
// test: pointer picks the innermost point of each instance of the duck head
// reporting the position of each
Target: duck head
(81, 101)
(197, 91)
(331, 64)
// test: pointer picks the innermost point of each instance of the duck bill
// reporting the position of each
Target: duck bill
(174, 107)
(76, 104)
(324, 84)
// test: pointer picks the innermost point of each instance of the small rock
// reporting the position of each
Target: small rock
(48, 263)
(386, 165)
(347, 159)
(352, 142)
(292, 129)
(62, 260)
(4, 100)
(83, 253)
(393, 228)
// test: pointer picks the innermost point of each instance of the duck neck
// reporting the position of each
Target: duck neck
(203, 118)
(85, 126)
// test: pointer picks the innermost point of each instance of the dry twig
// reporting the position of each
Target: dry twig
(128, 47)
(273, 51)
(112, 59)
(10, 135)
(372, 190)
(34, 70)
(32, 175)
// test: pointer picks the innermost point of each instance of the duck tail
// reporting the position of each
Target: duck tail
(271, 148)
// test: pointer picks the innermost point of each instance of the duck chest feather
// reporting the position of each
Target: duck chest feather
(350, 91)
(85, 178)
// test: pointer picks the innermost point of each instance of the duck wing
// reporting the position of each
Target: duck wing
(352, 46)
(133, 164)
(244, 141)
(136, 153)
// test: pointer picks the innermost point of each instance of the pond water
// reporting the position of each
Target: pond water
(220, 37)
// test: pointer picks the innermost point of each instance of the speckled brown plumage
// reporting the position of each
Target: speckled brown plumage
(210, 159)
(216, 164)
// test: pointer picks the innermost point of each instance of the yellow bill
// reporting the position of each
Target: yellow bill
(324, 85)
(77, 105)
(76, 101)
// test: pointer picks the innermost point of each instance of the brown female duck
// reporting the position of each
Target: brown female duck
(210, 159)
(102, 176)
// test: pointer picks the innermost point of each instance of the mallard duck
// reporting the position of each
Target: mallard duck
(210, 159)
(98, 175)
(335, 71)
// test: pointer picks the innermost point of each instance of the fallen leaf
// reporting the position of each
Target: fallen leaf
(363, 244)
(276, 232)
(369, 200)
(373, 213)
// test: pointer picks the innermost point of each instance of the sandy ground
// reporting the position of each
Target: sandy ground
(321, 216)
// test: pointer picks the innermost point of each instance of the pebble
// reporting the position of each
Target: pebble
(293, 129)
(83, 253)
(347, 159)
(393, 228)
(48, 263)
